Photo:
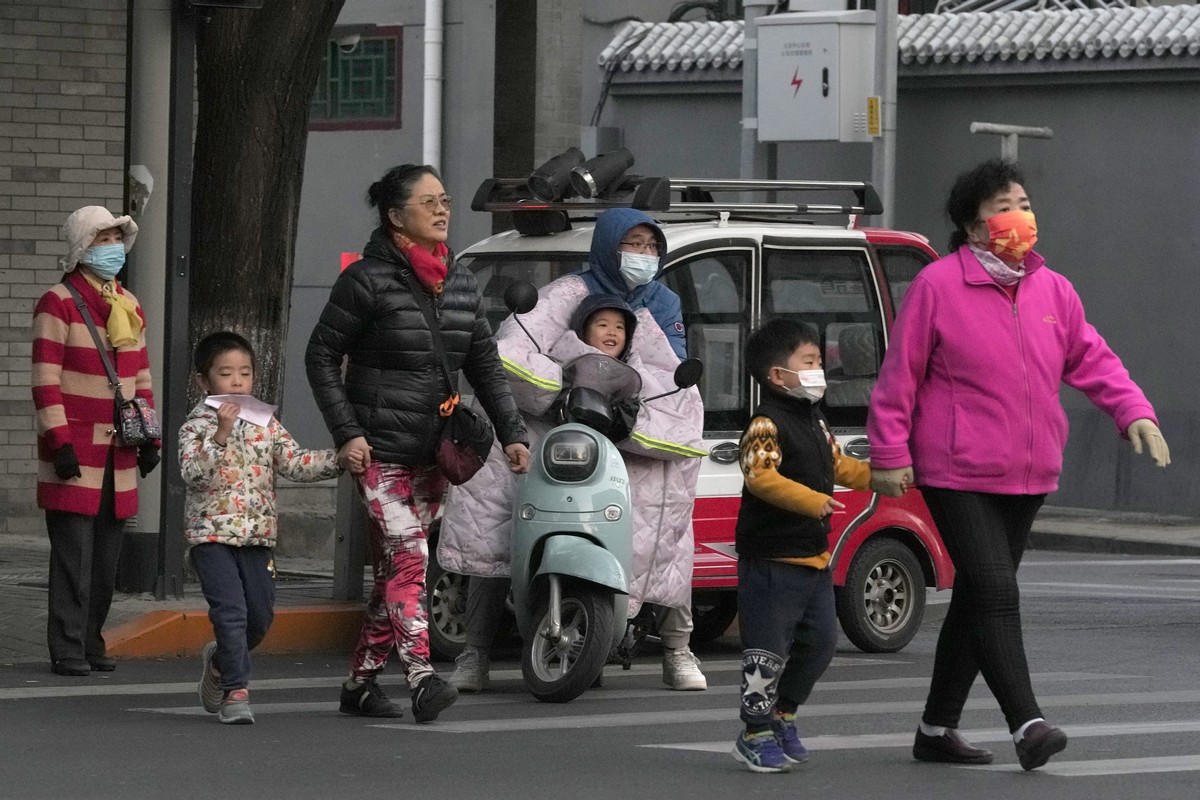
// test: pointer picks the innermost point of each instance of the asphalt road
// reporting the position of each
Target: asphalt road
(1112, 643)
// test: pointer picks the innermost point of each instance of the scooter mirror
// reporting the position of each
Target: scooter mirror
(688, 373)
(520, 297)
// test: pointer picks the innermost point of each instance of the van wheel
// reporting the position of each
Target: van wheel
(712, 614)
(447, 596)
(883, 602)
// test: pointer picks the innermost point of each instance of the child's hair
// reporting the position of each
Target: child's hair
(773, 344)
(214, 345)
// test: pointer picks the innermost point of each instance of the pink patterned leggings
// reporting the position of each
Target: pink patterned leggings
(400, 503)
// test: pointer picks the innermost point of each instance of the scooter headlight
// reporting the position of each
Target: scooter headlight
(570, 456)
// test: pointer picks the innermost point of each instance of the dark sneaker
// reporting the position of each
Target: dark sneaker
(949, 748)
(431, 697)
(209, 688)
(366, 699)
(102, 663)
(235, 708)
(1041, 740)
(788, 738)
(71, 667)
(760, 752)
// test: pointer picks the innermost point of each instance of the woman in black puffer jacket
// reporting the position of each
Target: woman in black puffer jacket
(384, 415)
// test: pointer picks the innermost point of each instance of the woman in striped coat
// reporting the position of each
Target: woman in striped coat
(86, 482)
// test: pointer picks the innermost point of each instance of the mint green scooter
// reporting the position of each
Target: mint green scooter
(572, 539)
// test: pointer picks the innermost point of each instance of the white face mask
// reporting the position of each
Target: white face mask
(638, 269)
(812, 384)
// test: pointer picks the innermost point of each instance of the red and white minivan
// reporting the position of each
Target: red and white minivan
(735, 265)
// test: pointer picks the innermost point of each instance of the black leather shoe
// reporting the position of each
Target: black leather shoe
(949, 748)
(73, 667)
(102, 663)
(1041, 741)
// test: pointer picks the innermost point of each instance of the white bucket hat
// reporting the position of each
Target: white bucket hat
(80, 229)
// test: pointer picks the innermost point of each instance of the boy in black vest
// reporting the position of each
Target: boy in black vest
(790, 462)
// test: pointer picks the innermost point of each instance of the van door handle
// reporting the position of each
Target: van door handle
(860, 448)
(725, 453)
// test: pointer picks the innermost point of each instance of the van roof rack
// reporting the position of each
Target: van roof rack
(695, 197)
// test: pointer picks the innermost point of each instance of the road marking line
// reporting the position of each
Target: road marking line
(1108, 766)
(1111, 561)
(988, 736)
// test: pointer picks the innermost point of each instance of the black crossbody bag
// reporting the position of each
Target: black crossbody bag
(467, 436)
(134, 420)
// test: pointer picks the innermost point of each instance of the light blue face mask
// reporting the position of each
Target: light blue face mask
(638, 269)
(106, 260)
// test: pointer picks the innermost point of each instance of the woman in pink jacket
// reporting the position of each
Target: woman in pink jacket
(967, 408)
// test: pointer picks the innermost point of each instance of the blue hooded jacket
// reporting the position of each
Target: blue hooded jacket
(603, 275)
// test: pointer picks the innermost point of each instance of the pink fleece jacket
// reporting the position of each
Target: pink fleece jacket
(968, 393)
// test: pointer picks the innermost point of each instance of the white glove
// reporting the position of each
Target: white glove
(891, 482)
(1143, 430)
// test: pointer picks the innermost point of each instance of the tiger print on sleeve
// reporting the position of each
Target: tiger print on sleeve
(761, 459)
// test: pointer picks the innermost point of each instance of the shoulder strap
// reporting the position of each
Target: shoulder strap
(113, 380)
(435, 330)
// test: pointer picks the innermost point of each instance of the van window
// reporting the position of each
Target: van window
(831, 290)
(900, 266)
(712, 288)
(495, 271)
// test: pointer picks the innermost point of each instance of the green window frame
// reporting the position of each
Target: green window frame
(358, 88)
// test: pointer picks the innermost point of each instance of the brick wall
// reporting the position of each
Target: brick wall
(62, 144)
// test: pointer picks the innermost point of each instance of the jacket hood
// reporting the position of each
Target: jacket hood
(604, 260)
(595, 302)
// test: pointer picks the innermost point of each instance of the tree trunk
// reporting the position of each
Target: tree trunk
(255, 74)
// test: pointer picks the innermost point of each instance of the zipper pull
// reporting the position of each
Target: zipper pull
(1014, 308)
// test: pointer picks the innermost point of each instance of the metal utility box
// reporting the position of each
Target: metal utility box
(815, 71)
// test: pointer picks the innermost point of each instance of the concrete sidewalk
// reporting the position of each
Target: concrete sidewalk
(309, 621)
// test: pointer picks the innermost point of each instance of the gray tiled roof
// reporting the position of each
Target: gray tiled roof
(1094, 33)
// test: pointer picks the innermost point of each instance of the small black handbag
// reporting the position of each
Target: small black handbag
(467, 435)
(134, 420)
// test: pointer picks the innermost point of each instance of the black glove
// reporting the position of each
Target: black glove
(147, 459)
(624, 414)
(66, 464)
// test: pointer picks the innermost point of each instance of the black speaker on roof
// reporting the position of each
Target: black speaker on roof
(552, 181)
(596, 176)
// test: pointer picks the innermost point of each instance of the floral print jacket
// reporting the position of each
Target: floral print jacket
(231, 489)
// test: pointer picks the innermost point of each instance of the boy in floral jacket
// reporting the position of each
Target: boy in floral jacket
(229, 466)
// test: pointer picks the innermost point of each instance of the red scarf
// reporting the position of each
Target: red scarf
(431, 268)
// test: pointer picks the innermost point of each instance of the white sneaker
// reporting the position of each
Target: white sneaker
(681, 671)
(470, 671)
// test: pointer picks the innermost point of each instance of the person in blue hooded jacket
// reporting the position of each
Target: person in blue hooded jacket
(627, 246)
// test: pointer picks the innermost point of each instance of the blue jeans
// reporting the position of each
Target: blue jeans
(239, 585)
(788, 623)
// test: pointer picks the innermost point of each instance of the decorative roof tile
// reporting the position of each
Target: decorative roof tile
(1116, 33)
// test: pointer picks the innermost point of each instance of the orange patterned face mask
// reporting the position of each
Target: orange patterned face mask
(1012, 234)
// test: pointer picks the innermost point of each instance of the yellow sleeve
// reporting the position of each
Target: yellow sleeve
(761, 459)
(850, 472)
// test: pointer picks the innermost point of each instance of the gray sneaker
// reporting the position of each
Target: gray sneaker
(235, 708)
(471, 671)
(209, 689)
(681, 671)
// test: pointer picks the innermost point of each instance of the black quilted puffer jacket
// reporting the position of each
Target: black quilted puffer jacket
(394, 381)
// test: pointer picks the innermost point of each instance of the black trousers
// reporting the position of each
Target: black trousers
(84, 551)
(985, 535)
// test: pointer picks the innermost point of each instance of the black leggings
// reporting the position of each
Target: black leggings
(985, 535)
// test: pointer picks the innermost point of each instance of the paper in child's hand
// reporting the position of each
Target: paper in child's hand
(250, 408)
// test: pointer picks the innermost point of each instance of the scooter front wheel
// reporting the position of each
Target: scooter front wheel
(559, 669)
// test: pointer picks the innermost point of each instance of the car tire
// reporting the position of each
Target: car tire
(447, 597)
(883, 602)
(712, 614)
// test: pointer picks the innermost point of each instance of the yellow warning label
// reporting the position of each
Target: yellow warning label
(874, 126)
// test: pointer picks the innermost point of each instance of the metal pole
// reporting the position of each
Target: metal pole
(883, 149)
(1009, 134)
(175, 353)
(755, 155)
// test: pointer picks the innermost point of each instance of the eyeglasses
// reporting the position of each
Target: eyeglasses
(643, 246)
(431, 203)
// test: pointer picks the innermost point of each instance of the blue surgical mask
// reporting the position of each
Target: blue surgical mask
(106, 260)
(638, 269)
